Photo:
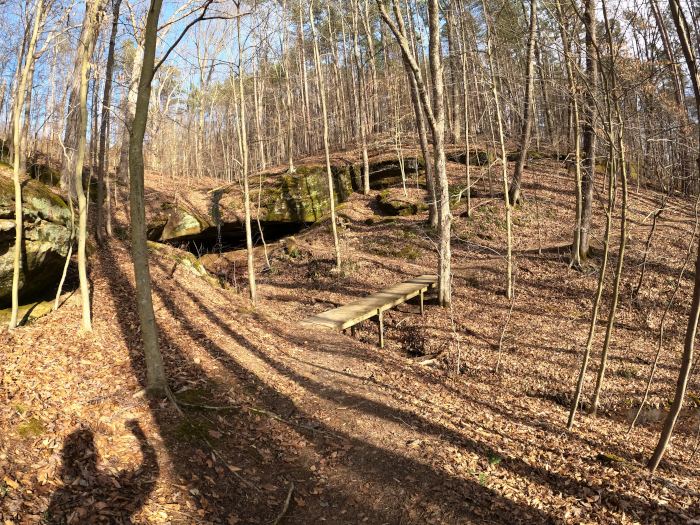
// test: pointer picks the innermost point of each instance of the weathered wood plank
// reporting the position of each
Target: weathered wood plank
(357, 311)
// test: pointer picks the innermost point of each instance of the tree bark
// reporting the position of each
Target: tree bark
(360, 88)
(157, 383)
(527, 108)
(22, 74)
(319, 77)
(104, 142)
(589, 132)
(130, 112)
(689, 345)
(244, 155)
(72, 134)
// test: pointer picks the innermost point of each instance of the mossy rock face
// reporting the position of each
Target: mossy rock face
(531, 155)
(388, 172)
(394, 206)
(458, 193)
(185, 259)
(45, 175)
(476, 158)
(181, 223)
(46, 232)
(304, 195)
(631, 168)
(28, 313)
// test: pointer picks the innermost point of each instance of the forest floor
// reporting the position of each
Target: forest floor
(324, 427)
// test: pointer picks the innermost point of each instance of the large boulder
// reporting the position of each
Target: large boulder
(45, 174)
(46, 221)
(398, 205)
(304, 195)
(476, 157)
(177, 223)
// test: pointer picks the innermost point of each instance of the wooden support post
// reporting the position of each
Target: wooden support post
(381, 329)
(352, 330)
(421, 302)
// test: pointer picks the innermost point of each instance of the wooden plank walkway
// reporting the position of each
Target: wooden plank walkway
(349, 315)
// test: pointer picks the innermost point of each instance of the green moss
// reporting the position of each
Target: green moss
(304, 195)
(32, 428)
(398, 207)
(45, 174)
(195, 396)
(408, 252)
(191, 430)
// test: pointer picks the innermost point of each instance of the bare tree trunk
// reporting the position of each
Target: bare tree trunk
(22, 74)
(436, 118)
(87, 47)
(420, 121)
(360, 88)
(104, 127)
(157, 384)
(130, 112)
(24, 135)
(442, 193)
(305, 83)
(504, 162)
(594, 314)
(689, 345)
(466, 117)
(575, 261)
(244, 154)
(319, 76)
(73, 119)
(589, 132)
(527, 108)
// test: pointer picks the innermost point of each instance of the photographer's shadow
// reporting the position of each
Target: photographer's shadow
(89, 495)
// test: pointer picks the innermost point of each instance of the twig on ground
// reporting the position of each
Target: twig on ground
(285, 507)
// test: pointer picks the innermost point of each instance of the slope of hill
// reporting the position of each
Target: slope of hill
(317, 426)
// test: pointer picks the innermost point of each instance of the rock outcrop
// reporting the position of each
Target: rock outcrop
(288, 202)
(177, 223)
(46, 221)
(304, 196)
(398, 205)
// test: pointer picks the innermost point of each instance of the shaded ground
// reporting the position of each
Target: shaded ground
(364, 435)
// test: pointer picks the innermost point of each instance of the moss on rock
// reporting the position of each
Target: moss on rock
(304, 196)
(394, 206)
(46, 233)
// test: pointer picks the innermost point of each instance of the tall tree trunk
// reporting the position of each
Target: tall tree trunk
(244, 155)
(319, 77)
(22, 74)
(575, 261)
(130, 112)
(435, 114)
(305, 82)
(504, 160)
(87, 47)
(157, 382)
(104, 142)
(360, 88)
(463, 52)
(689, 345)
(24, 135)
(589, 132)
(443, 203)
(73, 119)
(527, 108)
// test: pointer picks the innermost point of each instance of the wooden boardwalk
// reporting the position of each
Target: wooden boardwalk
(349, 315)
